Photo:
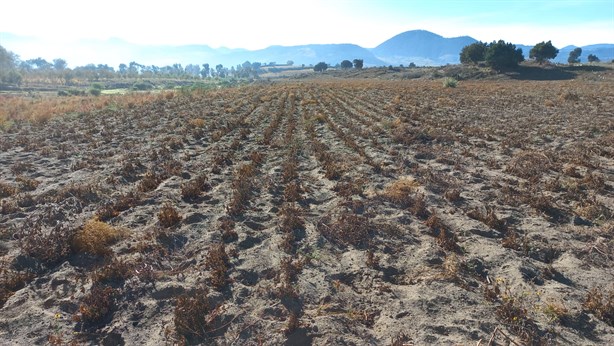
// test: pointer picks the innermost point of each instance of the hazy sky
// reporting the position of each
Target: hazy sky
(259, 23)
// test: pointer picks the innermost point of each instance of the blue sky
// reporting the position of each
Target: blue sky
(257, 24)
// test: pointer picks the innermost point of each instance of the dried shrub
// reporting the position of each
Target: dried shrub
(556, 312)
(511, 241)
(292, 324)
(7, 190)
(257, 158)
(242, 186)
(291, 219)
(21, 167)
(452, 267)
(112, 209)
(149, 182)
(418, 207)
(401, 191)
(453, 195)
(81, 191)
(595, 181)
(293, 191)
(116, 271)
(168, 215)
(529, 165)
(194, 188)
(8, 207)
(227, 228)
(347, 229)
(10, 282)
(198, 123)
(488, 217)
(48, 246)
(333, 171)
(217, 262)
(194, 317)
(372, 261)
(95, 237)
(27, 184)
(98, 304)
(600, 303)
(448, 240)
(592, 209)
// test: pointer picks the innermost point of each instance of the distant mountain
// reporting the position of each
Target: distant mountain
(418, 46)
(422, 48)
(307, 54)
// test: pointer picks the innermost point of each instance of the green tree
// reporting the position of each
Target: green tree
(574, 56)
(346, 64)
(501, 55)
(358, 63)
(59, 64)
(592, 58)
(473, 53)
(321, 66)
(40, 64)
(543, 51)
(205, 71)
(8, 67)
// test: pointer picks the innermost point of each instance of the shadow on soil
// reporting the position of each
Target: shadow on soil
(551, 73)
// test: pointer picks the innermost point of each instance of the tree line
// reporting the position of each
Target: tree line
(13, 70)
(502, 55)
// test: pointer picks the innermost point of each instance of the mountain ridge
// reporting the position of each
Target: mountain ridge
(420, 47)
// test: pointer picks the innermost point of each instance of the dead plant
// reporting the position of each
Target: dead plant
(168, 215)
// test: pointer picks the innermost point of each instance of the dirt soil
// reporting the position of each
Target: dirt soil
(334, 212)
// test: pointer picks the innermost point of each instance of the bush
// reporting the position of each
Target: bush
(95, 92)
(321, 66)
(473, 53)
(346, 64)
(450, 82)
(142, 86)
(593, 58)
(63, 93)
(76, 92)
(501, 55)
(543, 51)
(574, 56)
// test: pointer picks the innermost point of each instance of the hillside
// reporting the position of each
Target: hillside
(421, 47)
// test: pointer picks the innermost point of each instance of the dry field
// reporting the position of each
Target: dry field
(338, 212)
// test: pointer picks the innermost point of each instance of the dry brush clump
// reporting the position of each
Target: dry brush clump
(11, 281)
(218, 262)
(242, 187)
(401, 192)
(96, 237)
(531, 165)
(114, 207)
(346, 229)
(488, 217)
(97, 305)
(168, 215)
(195, 317)
(48, 245)
(600, 303)
(194, 188)
(7, 190)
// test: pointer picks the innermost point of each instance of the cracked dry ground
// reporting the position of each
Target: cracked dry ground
(316, 212)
